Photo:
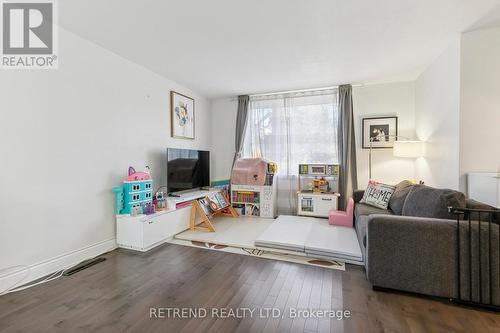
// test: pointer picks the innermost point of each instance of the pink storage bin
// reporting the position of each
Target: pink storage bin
(249, 171)
(340, 218)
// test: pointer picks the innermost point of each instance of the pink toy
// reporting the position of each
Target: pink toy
(249, 171)
(134, 175)
(345, 219)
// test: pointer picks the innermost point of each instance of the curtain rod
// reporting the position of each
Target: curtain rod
(301, 90)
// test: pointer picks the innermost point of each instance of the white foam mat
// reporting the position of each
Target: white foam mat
(313, 236)
(238, 232)
(330, 240)
(292, 235)
(286, 232)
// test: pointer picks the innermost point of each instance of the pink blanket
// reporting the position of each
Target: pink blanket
(249, 171)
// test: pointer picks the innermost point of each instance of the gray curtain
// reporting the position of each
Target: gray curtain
(241, 125)
(347, 146)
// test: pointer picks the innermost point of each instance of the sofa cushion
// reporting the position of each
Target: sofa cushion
(365, 209)
(425, 201)
(357, 195)
(361, 229)
(398, 198)
(362, 212)
(378, 194)
(473, 204)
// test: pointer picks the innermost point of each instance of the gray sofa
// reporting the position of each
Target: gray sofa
(418, 253)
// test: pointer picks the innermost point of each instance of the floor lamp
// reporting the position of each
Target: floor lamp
(402, 148)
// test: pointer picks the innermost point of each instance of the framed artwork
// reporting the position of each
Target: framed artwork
(181, 116)
(382, 131)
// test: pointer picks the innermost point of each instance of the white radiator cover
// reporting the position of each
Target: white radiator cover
(484, 187)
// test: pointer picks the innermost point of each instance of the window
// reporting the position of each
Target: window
(292, 129)
(135, 187)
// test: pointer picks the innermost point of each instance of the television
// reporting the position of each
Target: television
(187, 169)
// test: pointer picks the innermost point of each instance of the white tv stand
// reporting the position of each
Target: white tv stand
(188, 196)
(144, 232)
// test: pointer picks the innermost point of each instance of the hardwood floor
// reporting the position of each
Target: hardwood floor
(117, 296)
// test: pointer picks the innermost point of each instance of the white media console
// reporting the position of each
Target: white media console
(143, 232)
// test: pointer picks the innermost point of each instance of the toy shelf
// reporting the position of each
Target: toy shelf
(254, 200)
(247, 209)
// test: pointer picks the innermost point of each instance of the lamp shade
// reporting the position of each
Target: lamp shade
(409, 149)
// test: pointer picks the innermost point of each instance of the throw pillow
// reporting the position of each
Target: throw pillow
(425, 201)
(399, 196)
(378, 194)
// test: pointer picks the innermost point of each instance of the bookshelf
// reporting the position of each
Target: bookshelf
(208, 207)
(254, 200)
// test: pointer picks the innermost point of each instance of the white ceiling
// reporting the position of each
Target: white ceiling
(229, 47)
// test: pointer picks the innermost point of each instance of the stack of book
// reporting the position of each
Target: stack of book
(269, 179)
(246, 196)
(213, 203)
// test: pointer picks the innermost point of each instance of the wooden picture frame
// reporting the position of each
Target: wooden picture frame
(384, 130)
(182, 116)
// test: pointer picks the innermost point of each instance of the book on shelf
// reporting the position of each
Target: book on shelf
(269, 179)
(246, 196)
(214, 203)
(252, 210)
(205, 205)
(222, 201)
(208, 207)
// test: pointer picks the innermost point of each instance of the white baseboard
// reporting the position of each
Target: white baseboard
(23, 275)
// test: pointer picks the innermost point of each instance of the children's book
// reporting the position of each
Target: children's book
(205, 205)
(214, 203)
(222, 201)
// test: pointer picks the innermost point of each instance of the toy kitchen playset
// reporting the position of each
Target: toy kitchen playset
(318, 189)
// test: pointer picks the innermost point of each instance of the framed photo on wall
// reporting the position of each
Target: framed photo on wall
(181, 116)
(382, 131)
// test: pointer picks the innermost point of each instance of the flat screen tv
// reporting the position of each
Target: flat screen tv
(187, 169)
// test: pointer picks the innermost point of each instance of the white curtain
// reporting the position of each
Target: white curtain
(291, 129)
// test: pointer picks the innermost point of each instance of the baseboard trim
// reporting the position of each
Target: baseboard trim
(46, 267)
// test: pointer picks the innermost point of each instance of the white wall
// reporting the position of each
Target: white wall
(223, 115)
(391, 99)
(480, 103)
(67, 137)
(437, 121)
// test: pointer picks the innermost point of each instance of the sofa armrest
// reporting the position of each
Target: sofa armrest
(412, 254)
(357, 195)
